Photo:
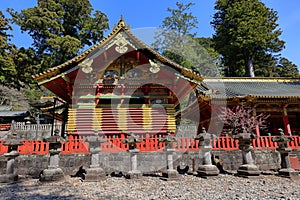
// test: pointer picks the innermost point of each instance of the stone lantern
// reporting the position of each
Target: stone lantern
(53, 172)
(132, 140)
(12, 142)
(95, 172)
(171, 173)
(206, 169)
(286, 169)
(248, 169)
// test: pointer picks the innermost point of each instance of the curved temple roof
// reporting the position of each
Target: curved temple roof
(253, 87)
(144, 48)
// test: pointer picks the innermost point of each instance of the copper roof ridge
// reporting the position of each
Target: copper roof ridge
(252, 79)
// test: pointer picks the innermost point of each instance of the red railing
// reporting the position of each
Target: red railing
(34, 147)
(225, 143)
(114, 143)
(3, 149)
(76, 144)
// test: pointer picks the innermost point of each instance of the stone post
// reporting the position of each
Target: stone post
(95, 172)
(53, 172)
(248, 169)
(132, 140)
(286, 169)
(170, 173)
(12, 142)
(206, 169)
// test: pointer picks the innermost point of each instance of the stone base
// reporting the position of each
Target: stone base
(248, 171)
(134, 174)
(170, 175)
(208, 171)
(52, 175)
(289, 173)
(8, 178)
(94, 174)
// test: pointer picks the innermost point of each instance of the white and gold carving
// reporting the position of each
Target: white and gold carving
(86, 65)
(121, 44)
(154, 67)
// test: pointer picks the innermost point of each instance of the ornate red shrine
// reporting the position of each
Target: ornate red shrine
(120, 85)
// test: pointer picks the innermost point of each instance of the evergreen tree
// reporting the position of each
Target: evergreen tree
(244, 29)
(177, 41)
(181, 20)
(8, 72)
(265, 64)
(271, 66)
(175, 31)
(286, 68)
(60, 29)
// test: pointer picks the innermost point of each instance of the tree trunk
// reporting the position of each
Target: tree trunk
(250, 68)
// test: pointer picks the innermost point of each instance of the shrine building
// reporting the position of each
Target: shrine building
(121, 85)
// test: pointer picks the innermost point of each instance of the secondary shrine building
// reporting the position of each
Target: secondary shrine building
(121, 85)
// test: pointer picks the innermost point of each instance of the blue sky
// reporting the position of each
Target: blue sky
(149, 14)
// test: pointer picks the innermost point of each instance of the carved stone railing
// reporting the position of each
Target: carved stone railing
(34, 131)
(34, 127)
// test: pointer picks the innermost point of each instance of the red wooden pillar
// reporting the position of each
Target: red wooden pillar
(286, 123)
(98, 93)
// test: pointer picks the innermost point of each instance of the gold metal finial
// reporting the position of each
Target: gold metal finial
(121, 21)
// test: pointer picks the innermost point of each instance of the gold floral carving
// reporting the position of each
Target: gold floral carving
(86, 65)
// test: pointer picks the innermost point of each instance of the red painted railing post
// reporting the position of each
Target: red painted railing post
(43, 146)
(122, 145)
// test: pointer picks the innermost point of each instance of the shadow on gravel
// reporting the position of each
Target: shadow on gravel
(216, 161)
(114, 174)
(80, 173)
(14, 191)
(153, 175)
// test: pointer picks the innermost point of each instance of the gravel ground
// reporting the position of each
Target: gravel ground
(150, 187)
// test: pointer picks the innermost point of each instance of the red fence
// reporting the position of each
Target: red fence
(114, 143)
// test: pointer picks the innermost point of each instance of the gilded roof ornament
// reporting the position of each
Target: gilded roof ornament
(121, 22)
(121, 44)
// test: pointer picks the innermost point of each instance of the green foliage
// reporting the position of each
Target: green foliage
(181, 20)
(271, 66)
(8, 72)
(32, 95)
(175, 28)
(286, 68)
(213, 62)
(243, 30)
(265, 64)
(60, 29)
(176, 41)
(26, 64)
